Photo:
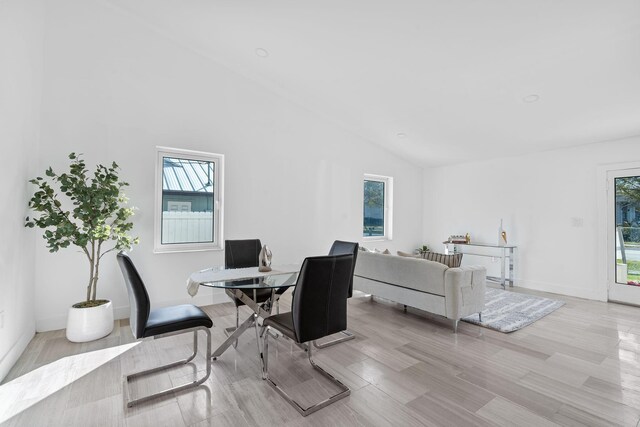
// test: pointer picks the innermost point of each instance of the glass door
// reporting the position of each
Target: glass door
(623, 195)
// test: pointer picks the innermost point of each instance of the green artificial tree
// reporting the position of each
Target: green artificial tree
(93, 216)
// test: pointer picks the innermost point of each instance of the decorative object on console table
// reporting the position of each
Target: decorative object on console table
(99, 215)
(502, 235)
(457, 238)
(264, 259)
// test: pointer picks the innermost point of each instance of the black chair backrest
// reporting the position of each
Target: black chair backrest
(139, 303)
(340, 247)
(242, 253)
(319, 305)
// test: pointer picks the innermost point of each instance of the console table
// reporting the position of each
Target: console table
(506, 252)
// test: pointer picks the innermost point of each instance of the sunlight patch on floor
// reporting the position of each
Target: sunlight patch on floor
(31, 388)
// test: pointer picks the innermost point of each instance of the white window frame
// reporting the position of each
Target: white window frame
(606, 240)
(388, 207)
(218, 197)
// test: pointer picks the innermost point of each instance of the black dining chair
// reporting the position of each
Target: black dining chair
(341, 247)
(319, 309)
(160, 323)
(243, 254)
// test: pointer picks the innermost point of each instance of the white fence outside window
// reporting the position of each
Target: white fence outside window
(187, 227)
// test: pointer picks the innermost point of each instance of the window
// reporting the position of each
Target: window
(627, 223)
(377, 207)
(189, 191)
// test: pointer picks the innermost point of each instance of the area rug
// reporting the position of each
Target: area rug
(507, 311)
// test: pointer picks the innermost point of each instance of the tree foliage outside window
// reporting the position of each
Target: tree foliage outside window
(374, 204)
(629, 187)
(628, 207)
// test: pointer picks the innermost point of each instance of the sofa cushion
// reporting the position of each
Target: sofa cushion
(453, 260)
(408, 255)
(411, 273)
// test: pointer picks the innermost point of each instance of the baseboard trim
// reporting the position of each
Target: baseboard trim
(14, 353)
(122, 312)
(556, 288)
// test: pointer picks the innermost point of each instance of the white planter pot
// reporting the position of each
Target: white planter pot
(88, 324)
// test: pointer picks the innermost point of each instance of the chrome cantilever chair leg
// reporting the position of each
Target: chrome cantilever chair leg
(264, 358)
(348, 335)
(192, 384)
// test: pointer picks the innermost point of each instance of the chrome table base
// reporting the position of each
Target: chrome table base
(263, 310)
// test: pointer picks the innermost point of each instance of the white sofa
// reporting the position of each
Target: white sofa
(430, 286)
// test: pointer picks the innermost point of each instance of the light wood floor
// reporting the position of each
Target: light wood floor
(578, 366)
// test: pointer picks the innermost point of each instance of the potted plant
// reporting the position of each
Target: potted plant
(422, 250)
(91, 213)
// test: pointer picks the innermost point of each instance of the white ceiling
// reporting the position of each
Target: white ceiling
(451, 75)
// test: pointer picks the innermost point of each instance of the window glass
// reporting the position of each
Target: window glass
(187, 201)
(188, 213)
(374, 203)
(627, 210)
(377, 218)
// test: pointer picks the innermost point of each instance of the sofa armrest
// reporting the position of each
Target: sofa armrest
(464, 289)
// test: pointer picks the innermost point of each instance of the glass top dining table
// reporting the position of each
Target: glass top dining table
(247, 278)
(243, 284)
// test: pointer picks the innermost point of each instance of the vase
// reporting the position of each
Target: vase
(264, 259)
(90, 323)
(502, 235)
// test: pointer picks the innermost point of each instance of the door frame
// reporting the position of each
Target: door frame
(606, 217)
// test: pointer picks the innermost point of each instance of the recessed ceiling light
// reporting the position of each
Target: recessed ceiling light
(262, 53)
(531, 98)
(401, 135)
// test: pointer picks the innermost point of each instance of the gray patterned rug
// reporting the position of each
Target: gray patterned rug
(507, 311)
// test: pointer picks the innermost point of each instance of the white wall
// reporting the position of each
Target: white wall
(21, 31)
(114, 89)
(541, 197)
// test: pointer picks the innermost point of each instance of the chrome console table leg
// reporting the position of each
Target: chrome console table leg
(511, 256)
(503, 281)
